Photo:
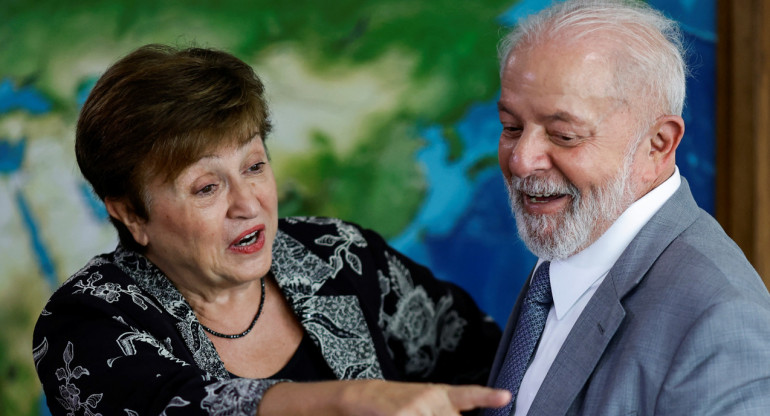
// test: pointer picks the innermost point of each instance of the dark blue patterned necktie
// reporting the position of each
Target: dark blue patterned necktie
(529, 327)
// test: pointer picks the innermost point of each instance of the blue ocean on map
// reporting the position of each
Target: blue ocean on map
(11, 160)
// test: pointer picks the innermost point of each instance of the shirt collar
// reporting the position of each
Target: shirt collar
(575, 275)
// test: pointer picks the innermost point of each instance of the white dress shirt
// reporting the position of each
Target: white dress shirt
(575, 279)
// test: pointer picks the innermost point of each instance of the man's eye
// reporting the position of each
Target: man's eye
(566, 140)
(510, 130)
(563, 138)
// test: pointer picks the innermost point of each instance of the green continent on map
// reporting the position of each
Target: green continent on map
(378, 183)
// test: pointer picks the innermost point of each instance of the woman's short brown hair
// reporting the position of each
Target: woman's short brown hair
(158, 110)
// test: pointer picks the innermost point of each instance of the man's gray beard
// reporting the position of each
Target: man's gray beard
(556, 237)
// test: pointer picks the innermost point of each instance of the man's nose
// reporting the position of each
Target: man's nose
(529, 154)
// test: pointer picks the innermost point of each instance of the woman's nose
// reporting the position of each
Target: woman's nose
(243, 198)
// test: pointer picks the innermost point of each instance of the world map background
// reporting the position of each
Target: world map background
(384, 111)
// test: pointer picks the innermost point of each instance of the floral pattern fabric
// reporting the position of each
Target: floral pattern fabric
(118, 338)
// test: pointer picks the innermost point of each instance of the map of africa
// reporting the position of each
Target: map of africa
(384, 112)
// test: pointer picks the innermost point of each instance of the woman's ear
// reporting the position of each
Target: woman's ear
(123, 211)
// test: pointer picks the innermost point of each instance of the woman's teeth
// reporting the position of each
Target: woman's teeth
(248, 239)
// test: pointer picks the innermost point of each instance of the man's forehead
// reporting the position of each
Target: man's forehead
(560, 86)
(551, 115)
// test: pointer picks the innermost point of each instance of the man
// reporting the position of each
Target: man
(645, 305)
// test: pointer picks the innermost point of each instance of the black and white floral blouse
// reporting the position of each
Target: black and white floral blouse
(118, 339)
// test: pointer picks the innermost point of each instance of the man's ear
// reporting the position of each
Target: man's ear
(668, 132)
(123, 211)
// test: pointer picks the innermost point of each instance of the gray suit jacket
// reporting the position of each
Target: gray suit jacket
(680, 326)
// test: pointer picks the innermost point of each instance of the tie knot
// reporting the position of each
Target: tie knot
(540, 287)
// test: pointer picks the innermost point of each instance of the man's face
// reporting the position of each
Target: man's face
(567, 150)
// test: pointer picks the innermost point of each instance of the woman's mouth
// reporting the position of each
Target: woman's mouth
(250, 241)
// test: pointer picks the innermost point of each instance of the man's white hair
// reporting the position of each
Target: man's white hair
(649, 52)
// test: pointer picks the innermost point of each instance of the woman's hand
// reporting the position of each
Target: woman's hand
(377, 398)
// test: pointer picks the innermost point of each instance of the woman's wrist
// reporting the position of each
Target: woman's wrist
(311, 398)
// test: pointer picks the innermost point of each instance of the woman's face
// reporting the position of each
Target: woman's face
(214, 225)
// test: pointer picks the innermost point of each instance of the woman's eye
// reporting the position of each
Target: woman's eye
(206, 189)
(256, 167)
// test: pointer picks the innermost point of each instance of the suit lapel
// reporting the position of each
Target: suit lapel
(604, 313)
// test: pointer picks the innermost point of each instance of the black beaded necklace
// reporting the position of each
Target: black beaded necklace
(244, 333)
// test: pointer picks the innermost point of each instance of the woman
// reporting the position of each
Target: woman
(210, 304)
